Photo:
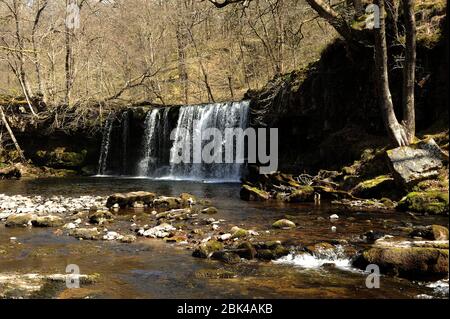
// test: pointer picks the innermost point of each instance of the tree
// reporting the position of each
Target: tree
(401, 133)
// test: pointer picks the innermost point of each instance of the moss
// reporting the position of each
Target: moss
(431, 202)
(378, 187)
(302, 194)
(253, 193)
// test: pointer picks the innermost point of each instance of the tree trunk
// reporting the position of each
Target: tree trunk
(182, 70)
(11, 134)
(409, 70)
(395, 129)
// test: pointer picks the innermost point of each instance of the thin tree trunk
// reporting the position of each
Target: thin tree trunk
(396, 131)
(11, 134)
(182, 71)
(409, 70)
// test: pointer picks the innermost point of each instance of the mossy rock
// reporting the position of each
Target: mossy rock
(251, 193)
(60, 158)
(432, 232)
(225, 256)
(431, 202)
(283, 224)
(409, 262)
(48, 221)
(302, 194)
(207, 249)
(378, 187)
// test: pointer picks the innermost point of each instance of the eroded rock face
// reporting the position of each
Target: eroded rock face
(416, 162)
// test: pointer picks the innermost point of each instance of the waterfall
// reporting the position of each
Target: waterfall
(104, 151)
(130, 148)
(194, 120)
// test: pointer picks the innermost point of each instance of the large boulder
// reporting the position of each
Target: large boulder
(416, 162)
(430, 202)
(378, 187)
(408, 262)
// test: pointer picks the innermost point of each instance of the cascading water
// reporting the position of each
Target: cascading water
(104, 151)
(192, 121)
(148, 151)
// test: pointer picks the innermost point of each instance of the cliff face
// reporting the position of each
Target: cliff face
(328, 113)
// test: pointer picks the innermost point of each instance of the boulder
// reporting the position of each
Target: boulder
(205, 250)
(99, 217)
(270, 250)
(228, 257)
(47, 221)
(378, 187)
(251, 193)
(10, 172)
(301, 194)
(430, 202)
(283, 224)
(432, 232)
(85, 233)
(20, 220)
(246, 250)
(129, 199)
(416, 162)
(237, 232)
(408, 262)
(168, 202)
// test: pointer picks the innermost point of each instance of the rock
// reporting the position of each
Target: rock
(168, 202)
(302, 194)
(129, 199)
(377, 187)
(128, 239)
(10, 172)
(238, 232)
(319, 248)
(210, 210)
(60, 158)
(250, 193)
(160, 231)
(70, 226)
(246, 250)
(188, 199)
(284, 224)
(205, 250)
(99, 217)
(228, 257)
(112, 235)
(224, 237)
(85, 233)
(20, 220)
(431, 202)
(270, 250)
(334, 216)
(47, 221)
(416, 162)
(409, 262)
(432, 232)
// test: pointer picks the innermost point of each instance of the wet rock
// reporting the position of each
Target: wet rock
(205, 250)
(177, 214)
(228, 257)
(430, 202)
(85, 233)
(251, 193)
(377, 187)
(188, 199)
(246, 250)
(371, 236)
(409, 262)
(99, 217)
(210, 210)
(129, 199)
(432, 232)
(168, 202)
(225, 237)
(20, 220)
(318, 248)
(334, 217)
(70, 226)
(416, 162)
(270, 250)
(47, 221)
(302, 194)
(283, 224)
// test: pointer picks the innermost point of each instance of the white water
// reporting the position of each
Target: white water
(194, 120)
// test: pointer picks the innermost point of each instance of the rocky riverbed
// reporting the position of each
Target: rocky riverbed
(320, 237)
